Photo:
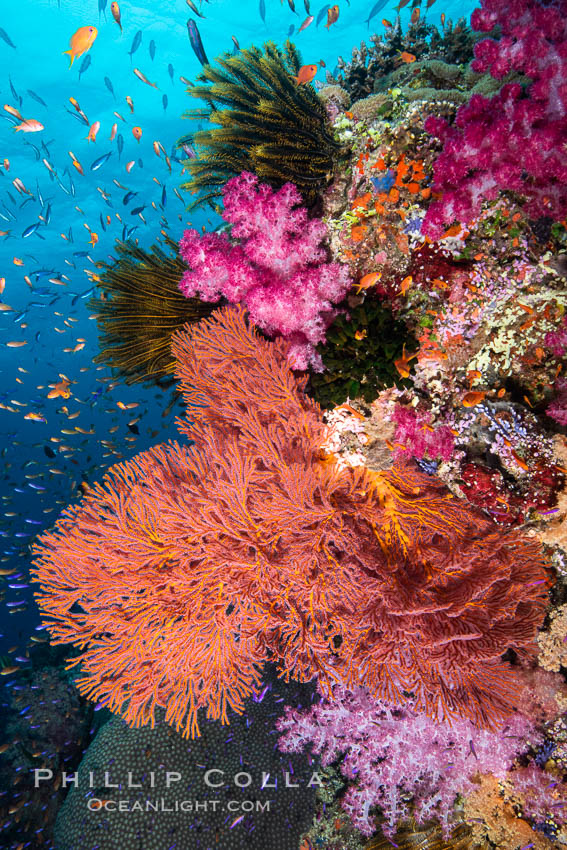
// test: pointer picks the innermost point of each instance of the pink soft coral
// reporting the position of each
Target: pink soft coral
(516, 140)
(278, 271)
(415, 432)
(396, 758)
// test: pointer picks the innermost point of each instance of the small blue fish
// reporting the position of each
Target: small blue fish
(5, 37)
(164, 101)
(120, 144)
(128, 197)
(37, 98)
(163, 197)
(136, 41)
(322, 14)
(109, 86)
(15, 94)
(85, 64)
(30, 229)
(100, 161)
(152, 49)
(263, 10)
(291, 30)
(375, 9)
(196, 43)
(170, 71)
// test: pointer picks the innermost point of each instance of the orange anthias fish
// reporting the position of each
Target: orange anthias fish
(332, 16)
(401, 5)
(137, 133)
(29, 125)
(403, 363)
(60, 389)
(368, 281)
(306, 74)
(472, 398)
(115, 9)
(81, 41)
(407, 57)
(415, 16)
(93, 131)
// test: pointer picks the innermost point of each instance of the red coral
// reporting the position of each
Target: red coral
(487, 489)
(187, 569)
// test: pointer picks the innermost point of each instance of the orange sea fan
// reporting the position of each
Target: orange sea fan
(187, 569)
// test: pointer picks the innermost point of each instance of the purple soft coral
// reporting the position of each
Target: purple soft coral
(516, 140)
(397, 759)
(278, 271)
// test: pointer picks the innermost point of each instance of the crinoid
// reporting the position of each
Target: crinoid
(268, 124)
(139, 306)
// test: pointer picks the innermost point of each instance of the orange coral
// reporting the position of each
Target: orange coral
(186, 569)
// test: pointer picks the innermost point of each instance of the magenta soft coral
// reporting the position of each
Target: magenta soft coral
(279, 270)
(516, 140)
(415, 432)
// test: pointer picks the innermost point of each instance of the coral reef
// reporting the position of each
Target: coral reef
(514, 141)
(268, 124)
(255, 545)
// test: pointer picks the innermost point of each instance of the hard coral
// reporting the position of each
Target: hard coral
(278, 270)
(516, 140)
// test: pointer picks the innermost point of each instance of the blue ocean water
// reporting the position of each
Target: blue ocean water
(48, 211)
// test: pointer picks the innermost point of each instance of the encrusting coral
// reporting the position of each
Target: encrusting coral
(269, 124)
(187, 569)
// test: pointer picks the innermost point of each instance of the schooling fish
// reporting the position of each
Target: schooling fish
(164, 101)
(115, 9)
(309, 20)
(81, 41)
(143, 78)
(109, 86)
(5, 37)
(291, 5)
(332, 16)
(196, 43)
(136, 41)
(322, 14)
(375, 9)
(152, 49)
(37, 98)
(262, 10)
(100, 161)
(29, 125)
(194, 8)
(85, 64)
